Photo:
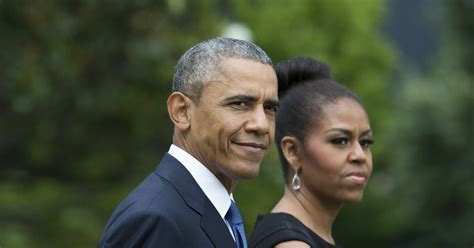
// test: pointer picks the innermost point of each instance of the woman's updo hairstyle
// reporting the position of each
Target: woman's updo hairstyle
(304, 88)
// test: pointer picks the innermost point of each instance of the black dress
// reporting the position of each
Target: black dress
(274, 228)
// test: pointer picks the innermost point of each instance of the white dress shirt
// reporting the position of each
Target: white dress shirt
(207, 181)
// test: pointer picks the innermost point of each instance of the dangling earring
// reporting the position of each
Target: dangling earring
(296, 182)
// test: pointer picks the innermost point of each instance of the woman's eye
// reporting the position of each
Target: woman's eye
(366, 143)
(340, 141)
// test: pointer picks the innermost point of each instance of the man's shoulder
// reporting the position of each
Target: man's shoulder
(154, 206)
(140, 223)
(152, 195)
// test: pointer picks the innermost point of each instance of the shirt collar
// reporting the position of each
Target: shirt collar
(207, 181)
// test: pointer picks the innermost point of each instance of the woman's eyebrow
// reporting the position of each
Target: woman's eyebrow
(342, 130)
(348, 132)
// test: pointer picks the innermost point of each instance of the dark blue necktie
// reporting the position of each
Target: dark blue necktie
(237, 225)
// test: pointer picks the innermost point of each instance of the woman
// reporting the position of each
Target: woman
(323, 138)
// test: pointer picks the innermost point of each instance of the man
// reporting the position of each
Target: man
(223, 108)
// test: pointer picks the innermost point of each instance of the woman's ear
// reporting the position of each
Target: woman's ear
(290, 146)
(179, 110)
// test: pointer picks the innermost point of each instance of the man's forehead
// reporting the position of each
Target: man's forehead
(253, 90)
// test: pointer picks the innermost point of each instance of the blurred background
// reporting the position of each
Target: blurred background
(83, 86)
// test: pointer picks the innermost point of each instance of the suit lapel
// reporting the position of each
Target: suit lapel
(216, 229)
(211, 222)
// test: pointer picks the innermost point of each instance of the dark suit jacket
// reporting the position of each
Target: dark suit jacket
(168, 209)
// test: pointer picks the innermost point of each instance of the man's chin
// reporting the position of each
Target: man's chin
(251, 173)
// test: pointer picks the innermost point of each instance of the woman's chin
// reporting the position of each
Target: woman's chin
(353, 198)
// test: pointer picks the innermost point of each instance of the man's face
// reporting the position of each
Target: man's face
(233, 124)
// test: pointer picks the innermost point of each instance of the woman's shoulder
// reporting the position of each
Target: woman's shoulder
(277, 220)
(274, 228)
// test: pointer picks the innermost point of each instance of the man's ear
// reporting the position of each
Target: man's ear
(290, 147)
(179, 110)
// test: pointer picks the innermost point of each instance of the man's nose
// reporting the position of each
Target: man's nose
(258, 121)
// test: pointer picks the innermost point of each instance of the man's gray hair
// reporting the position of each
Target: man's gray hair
(200, 64)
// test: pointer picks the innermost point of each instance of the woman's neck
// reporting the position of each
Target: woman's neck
(317, 214)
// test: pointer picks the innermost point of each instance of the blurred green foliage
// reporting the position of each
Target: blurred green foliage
(83, 120)
(431, 159)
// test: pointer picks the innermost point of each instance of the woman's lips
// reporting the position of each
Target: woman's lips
(357, 177)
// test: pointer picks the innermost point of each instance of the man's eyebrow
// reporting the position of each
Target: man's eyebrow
(273, 103)
(250, 98)
(243, 98)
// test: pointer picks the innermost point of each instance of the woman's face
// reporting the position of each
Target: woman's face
(336, 161)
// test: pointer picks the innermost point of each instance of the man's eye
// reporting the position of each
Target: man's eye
(271, 108)
(239, 104)
(340, 141)
(366, 143)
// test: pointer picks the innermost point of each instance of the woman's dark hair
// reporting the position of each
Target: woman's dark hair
(304, 88)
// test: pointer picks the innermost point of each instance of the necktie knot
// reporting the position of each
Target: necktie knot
(233, 215)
